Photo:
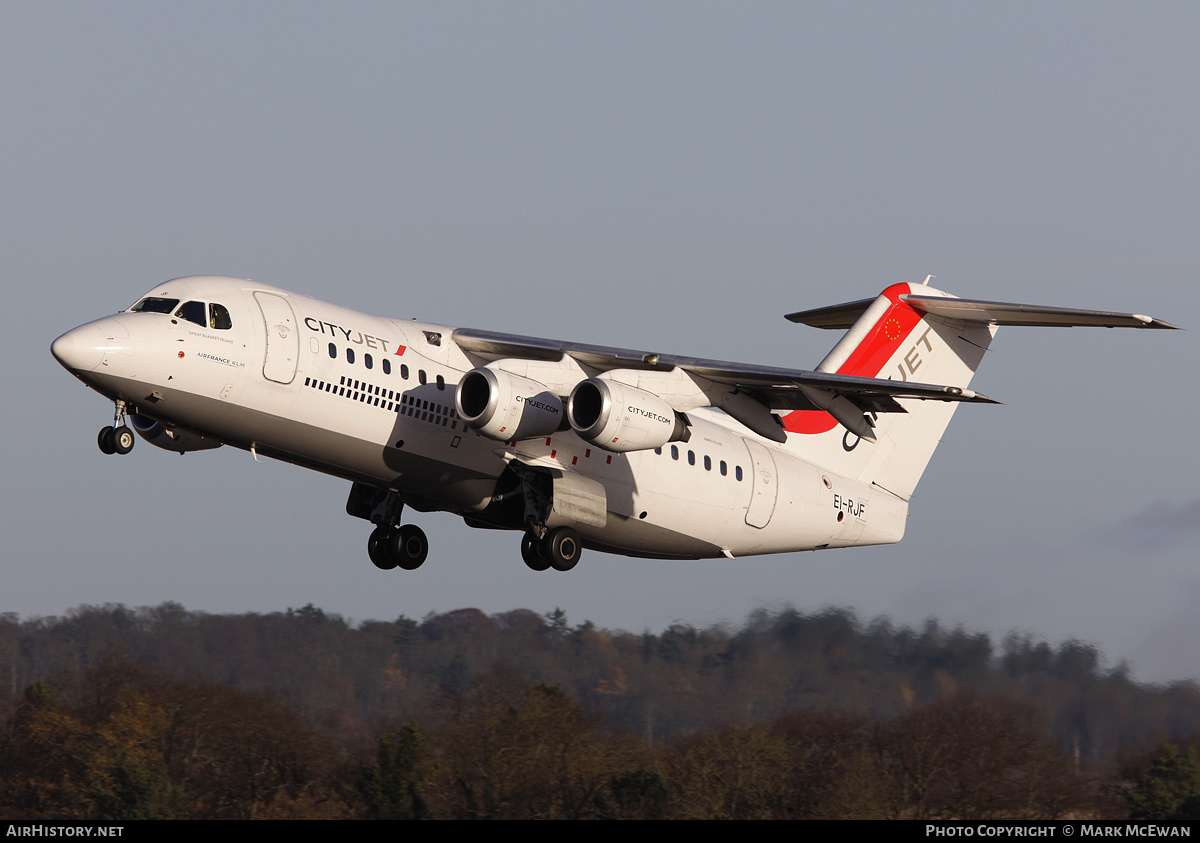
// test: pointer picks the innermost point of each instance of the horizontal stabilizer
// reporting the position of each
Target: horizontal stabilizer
(833, 317)
(843, 316)
(1006, 313)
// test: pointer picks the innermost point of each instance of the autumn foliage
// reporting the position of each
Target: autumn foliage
(161, 713)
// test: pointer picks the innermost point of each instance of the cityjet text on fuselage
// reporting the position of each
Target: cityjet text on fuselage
(347, 334)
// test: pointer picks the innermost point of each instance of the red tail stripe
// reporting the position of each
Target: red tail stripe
(867, 359)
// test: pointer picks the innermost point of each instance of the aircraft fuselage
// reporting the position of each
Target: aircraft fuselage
(372, 400)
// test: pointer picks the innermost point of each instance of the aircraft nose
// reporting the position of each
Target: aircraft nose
(82, 349)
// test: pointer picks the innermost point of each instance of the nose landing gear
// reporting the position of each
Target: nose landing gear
(119, 439)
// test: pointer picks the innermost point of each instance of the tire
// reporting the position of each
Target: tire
(123, 440)
(531, 552)
(377, 549)
(409, 547)
(562, 547)
(105, 440)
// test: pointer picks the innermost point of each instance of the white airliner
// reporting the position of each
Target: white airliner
(630, 452)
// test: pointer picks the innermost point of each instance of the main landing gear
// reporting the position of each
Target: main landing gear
(392, 544)
(118, 439)
(559, 549)
(402, 547)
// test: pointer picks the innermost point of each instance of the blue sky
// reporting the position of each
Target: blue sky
(674, 176)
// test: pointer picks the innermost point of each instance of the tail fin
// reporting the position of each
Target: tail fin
(914, 332)
(890, 339)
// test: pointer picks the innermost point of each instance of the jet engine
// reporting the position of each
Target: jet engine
(504, 406)
(618, 417)
(168, 438)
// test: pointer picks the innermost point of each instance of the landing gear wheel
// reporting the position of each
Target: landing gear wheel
(562, 547)
(531, 552)
(122, 440)
(105, 440)
(408, 546)
(377, 547)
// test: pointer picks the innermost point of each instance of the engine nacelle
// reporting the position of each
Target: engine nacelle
(618, 417)
(504, 406)
(158, 434)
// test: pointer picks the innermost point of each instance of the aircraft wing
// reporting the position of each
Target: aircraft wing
(776, 388)
(784, 388)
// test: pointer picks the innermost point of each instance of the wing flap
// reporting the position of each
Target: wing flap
(794, 399)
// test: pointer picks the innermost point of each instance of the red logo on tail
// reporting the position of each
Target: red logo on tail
(866, 360)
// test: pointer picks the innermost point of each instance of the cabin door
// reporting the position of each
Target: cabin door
(765, 485)
(283, 340)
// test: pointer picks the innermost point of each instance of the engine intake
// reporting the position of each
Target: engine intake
(505, 407)
(618, 417)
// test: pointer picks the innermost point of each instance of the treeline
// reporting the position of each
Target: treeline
(119, 741)
(656, 686)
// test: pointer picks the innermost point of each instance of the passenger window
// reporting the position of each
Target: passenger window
(674, 452)
(349, 355)
(387, 366)
(218, 318)
(404, 370)
(737, 472)
(333, 351)
(421, 376)
(691, 457)
(193, 312)
(441, 382)
(367, 361)
(707, 463)
(724, 469)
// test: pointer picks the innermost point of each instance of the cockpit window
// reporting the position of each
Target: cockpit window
(215, 316)
(154, 304)
(218, 317)
(193, 311)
